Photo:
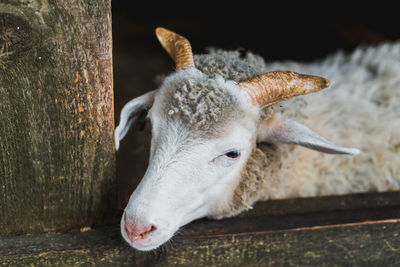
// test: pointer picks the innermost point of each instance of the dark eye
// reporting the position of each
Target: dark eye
(233, 154)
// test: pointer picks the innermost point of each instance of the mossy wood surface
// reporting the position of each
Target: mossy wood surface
(341, 238)
(56, 115)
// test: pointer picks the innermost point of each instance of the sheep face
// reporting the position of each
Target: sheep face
(203, 131)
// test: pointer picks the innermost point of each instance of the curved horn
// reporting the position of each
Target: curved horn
(272, 87)
(177, 46)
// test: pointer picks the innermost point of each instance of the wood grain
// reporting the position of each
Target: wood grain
(57, 154)
(322, 239)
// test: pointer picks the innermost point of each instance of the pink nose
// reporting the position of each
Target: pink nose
(135, 232)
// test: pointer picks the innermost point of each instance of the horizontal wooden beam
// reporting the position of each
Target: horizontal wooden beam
(103, 245)
(326, 203)
(352, 244)
(348, 237)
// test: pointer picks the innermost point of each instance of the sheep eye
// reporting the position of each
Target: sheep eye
(233, 154)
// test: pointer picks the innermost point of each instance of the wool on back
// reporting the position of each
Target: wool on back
(360, 109)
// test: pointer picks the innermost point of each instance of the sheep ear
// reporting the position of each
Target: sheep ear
(280, 130)
(130, 114)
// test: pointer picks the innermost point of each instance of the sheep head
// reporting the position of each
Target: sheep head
(204, 130)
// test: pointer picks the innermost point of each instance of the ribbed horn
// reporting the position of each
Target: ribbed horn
(272, 87)
(177, 46)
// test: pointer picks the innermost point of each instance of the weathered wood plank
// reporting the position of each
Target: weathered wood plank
(84, 257)
(353, 245)
(312, 239)
(326, 203)
(56, 115)
(102, 246)
(234, 226)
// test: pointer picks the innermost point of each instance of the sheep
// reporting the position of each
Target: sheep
(228, 131)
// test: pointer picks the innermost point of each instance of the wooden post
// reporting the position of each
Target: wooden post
(57, 155)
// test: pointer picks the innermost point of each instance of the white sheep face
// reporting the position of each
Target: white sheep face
(194, 167)
(204, 129)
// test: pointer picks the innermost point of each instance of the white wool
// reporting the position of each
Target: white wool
(360, 109)
(203, 102)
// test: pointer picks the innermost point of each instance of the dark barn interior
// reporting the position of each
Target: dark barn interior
(276, 31)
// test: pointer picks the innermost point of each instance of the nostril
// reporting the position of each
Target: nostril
(152, 228)
(147, 230)
(136, 232)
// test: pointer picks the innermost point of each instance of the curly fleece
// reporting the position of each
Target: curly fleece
(361, 108)
(201, 102)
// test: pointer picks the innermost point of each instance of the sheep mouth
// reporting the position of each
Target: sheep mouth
(149, 243)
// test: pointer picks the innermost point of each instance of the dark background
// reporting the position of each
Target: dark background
(301, 31)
